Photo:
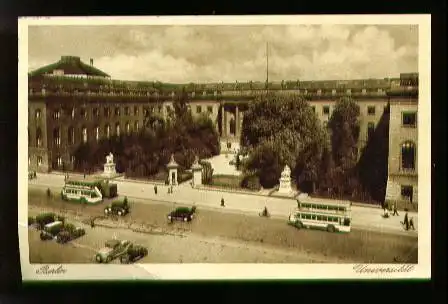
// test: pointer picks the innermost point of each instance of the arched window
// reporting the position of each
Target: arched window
(71, 135)
(97, 133)
(408, 155)
(84, 134)
(38, 137)
(128, 128)
(57, 136)
(38, 114)
(107, 131)
(117, 129)
(136, 126)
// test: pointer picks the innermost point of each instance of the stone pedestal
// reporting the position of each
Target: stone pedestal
(196, 169)
(285, 181)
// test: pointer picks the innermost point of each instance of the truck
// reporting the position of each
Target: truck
(60, 231)
(45, 218)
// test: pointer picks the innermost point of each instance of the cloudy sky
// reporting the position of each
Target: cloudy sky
(182, 54)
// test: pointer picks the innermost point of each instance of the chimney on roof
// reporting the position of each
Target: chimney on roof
(91, 61)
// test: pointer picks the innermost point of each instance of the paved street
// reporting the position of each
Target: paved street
(362, 217)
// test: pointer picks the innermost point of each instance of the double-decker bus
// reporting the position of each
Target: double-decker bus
(331, 215)
(90, 191)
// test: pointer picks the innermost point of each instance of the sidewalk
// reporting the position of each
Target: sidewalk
(362, 217)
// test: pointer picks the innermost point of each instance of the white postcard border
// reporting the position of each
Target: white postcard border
(31, 272)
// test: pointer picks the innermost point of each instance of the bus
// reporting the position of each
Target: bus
(91, 191)
(319, 213)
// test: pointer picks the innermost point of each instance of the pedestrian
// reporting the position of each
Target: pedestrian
(386, 212)
(411, 223)
(155, 189)
(222, 202)
(92, 223)
(395, 210)
(171, 189)
(406, 221)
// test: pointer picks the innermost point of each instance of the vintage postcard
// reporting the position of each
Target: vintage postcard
(224, 147)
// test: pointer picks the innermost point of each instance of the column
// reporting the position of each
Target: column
(237, 122)
(223, 124)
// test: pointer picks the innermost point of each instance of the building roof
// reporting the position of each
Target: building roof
(71, 65)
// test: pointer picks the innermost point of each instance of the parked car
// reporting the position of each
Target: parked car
(182, 214)
(69, 233)
(112, 250)
(119, 208)
(135, 253)
(51, 230)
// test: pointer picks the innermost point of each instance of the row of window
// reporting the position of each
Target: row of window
(315, 217)
(84, 132)
(371, 110)
(96, 132)
(117, 111)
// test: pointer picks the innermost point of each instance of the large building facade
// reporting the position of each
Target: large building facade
(71, 102)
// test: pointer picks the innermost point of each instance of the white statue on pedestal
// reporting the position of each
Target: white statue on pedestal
(109, 166)
(285, 181)
(110, 158)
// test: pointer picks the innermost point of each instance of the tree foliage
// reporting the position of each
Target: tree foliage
(278, 131)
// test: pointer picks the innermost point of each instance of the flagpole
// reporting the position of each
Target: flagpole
(267, 67)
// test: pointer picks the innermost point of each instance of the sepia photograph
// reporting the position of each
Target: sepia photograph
(203, 147)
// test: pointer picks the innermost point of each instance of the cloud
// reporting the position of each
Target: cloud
(183, 54)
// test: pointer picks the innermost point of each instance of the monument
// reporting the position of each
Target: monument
(285, 181)
(109, 166)
(172, 167)
(196, 168)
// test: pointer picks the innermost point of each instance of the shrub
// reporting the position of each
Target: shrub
(227, 181)
(184, 176)
(31, 220)
(251, 182)
(207, 172)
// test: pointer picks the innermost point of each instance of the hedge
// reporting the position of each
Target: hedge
(227, 181)
(251, 182)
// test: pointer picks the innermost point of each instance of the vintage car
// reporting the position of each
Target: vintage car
(51, 230)
(112, 250)
(182, 214)
(135, 253)
(119, 208)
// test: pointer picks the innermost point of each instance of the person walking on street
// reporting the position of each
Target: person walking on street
(395, 210)
(222, 202)
(171, 189)
(411, 223)
(406, 221)
(155, 189)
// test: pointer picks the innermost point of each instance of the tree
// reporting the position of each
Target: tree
(287, 126)
(344, 126)
(265, 163)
